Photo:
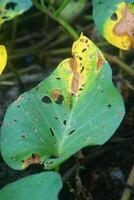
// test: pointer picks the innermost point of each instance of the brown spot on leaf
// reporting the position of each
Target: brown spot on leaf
(81, 40)
(75, 83)
(73, 64)
(55, 94)
(100, 62)
(126, 25)
(34, 159)
(76, 76)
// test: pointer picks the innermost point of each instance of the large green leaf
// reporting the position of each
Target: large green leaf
(76, 106)
(43, 186)
(115, 21)
(10, 9)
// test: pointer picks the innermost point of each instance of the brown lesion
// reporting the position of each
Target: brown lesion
(73, 64)
(100, 62)
(75, 83)
(34, 159)
(126, 25)
(76, 76)
(55, 94)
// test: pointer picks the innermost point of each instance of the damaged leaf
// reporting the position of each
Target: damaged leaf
(45, 185)
(76, 106)
(115, 21)
(3, 58)
(10, 9)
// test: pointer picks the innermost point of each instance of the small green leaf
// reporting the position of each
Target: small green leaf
(76, 106)
(10, 9)
(115, 21)
(45, 185)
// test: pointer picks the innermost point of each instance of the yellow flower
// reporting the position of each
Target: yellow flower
(3, 58)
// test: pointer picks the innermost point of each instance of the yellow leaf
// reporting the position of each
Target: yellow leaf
(3, 58)
(119, 32)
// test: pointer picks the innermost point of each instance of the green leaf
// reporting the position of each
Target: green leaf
(45, 185)
(76, 106)
(72, 9)
(10, 9)
(115, 21)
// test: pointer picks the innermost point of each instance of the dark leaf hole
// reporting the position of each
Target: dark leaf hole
(52, 132)
(33, 156)
(60, 99)
(82, 69)
(23, 136)
(58, 78)
(11, 5)
(114, 16)
(65, 122)
(53, 157)
(46, 99)
(71, 131)
(109, 105)
(5, 17)
(83, 50)
(100, 2)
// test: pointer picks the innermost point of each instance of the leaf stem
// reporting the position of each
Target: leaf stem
(127, 192)
(120, 63)
(57, 168)
(57, 18)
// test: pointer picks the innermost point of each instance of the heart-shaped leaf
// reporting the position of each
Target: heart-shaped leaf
(115, 21)
(10, 9)
(3, 58)
(76, 106)
(45, 185)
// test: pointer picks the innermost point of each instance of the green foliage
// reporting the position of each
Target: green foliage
(45, 185)
(72, 9)
(10, 9)
(76, 106)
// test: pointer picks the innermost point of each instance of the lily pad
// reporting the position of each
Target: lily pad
(75, 107)
(115, 21)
